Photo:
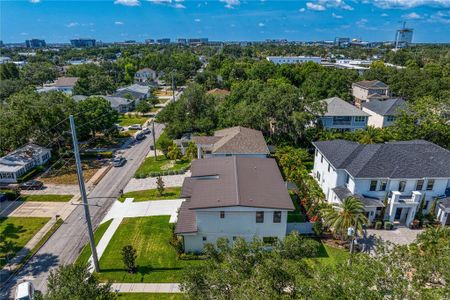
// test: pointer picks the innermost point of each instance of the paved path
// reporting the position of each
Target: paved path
(57, 189)
(146, 287)
(150, 182)
(400, 235)
(68, 241)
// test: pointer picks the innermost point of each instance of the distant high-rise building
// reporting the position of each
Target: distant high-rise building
(197, 41)
(403, 37)
(83, 43)
(341, 41)
(164, 41)
(35, 43)
(182, 41)
(149, 41)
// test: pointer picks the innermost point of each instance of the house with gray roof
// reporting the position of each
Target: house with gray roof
(401, 172)
(368, 90)
(144, 76)
(342, 116)
(134, 92)
(122, 105)
(383, 113)
(21, 161)
(232, 141)
(232, 197)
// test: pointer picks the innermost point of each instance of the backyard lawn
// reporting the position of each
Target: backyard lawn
(86, 253)
(126, 120)
(156, 258)
(297, 215)
(46, 198)
(161, 164)
(150, 296)
(19, 230)
(153, 194)
(329, 255)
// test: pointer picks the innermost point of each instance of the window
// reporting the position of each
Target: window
(401, 186)
(383, 184)
(390, 118)
(419, 185)
(347, 178)
(277, 216)
(269, 240)
(317, 152)
(360, 119)
(321, 159)
(204, 238)
(373, 185)
(318, 176)
(329, 166)
(426, 205)
(430, 184)
(259, 217)
(228, 154)
(222, 215)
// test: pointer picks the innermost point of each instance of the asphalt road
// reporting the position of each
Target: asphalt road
(68, 241)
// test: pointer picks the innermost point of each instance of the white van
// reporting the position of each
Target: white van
(24, 291)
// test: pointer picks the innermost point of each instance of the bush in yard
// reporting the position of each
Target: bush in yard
(129, 258)
(174, 152)
(388, 225)
(318, 227)
(294, 246)
(163, 143)
(191, 151)
(378, 225)
(160, 185)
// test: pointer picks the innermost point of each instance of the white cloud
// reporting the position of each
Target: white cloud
(384, 15)
(404, 4)
(336, 16)
(178, 5)
(118, 22)
(316, 7)
(362, 22)
(172, 3)
(128, 2)
(23, 33)
(302, 9)
(231, 3)
(72, 24)
(412, 16)
(197, 20)
(441, 17)
(261, 24)
(35, 1)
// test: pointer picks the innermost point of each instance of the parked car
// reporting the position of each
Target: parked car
(119, 128)
(146, 130)
(24, 291)
(119, 161)
(31, 185)
(135, 127)
(139, 136)
(3, 197)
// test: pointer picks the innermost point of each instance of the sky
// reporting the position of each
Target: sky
(222, 20)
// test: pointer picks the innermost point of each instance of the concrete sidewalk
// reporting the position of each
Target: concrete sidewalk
(146, 287)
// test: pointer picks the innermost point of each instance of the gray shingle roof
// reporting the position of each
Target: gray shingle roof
(389, 107)
(187, 220)
(338, 107)
(372, 84)
(406, 159)
(342, 192)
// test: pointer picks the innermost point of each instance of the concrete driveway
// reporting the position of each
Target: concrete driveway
(56, 189)
(150, 182)
(399, 235)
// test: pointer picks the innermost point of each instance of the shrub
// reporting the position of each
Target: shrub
(378, 225)
(388, 225)
(318, 227)
(129, 258)
(191, 256)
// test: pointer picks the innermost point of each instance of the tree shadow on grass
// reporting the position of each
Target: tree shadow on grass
(11, 231)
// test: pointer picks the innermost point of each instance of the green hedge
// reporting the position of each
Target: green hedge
(10, 194)
(162, 173)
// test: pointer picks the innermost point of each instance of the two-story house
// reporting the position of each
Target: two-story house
(135, 92)
(233, 197)
(342, 116)
(144, 76)
(403, 172)
(232, 141)
(368, 90)
(383, 113)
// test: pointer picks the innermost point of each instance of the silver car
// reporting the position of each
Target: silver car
(118, 161)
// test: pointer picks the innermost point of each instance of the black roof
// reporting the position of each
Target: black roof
(342, 192)
(406, 159)
(389, 107)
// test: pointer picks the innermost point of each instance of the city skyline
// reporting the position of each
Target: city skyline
(224, 20)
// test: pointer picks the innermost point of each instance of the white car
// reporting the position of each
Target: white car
(135, 127)
(24, 291)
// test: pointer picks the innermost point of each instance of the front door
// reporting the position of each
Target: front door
(398, 214)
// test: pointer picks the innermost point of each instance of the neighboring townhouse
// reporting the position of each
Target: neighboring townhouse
(62, 84)
(383, 113)
(144, 76)
(134, 92)
(342, 116)
(122, 105)
(233, 197)
(232, 141)
(21, 161)
(404, 172)
(368, 90)
(280, 60)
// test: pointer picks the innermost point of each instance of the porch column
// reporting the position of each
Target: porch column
(392, 209)
(411, 215)
(199, 152)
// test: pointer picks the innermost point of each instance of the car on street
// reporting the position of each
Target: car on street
(146, 130)
(139, 136)
(119, 161)
(24, 291)
(135, 127)
(31, 185)
(3, 197)
(119, 128)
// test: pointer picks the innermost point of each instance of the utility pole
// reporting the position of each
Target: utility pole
(173, 86)
(154, 138)
(83, 194)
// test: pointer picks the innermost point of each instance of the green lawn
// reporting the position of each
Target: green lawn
(146, 195)
(329, 255)
(127, 121)
(19, 230)
(46, 198)
(156, 259)
(86, 253)
(297, 215)
(149, 296)
(161, 164)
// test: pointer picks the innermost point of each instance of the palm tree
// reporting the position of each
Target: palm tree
(349, 213)
(371, 136)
